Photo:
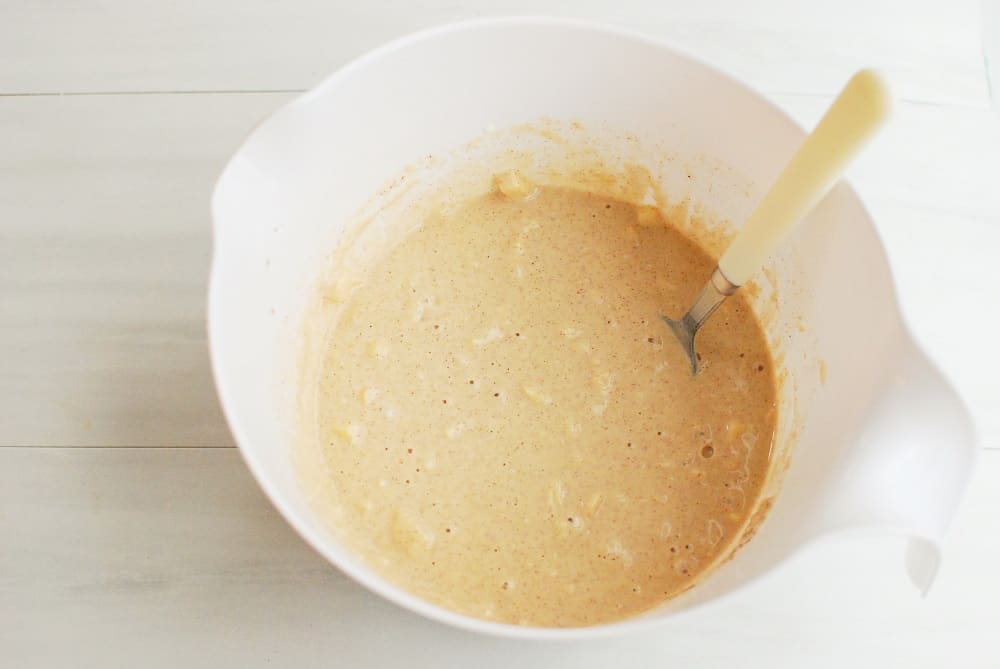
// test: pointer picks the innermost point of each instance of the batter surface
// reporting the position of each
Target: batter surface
(511, 433)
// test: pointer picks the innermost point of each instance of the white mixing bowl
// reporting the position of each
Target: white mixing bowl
(882, 441)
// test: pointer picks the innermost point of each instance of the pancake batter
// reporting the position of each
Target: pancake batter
(510, 430)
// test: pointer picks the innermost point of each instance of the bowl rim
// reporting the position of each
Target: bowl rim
(357, 571)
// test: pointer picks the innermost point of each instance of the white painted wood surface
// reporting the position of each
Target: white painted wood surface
(130, 531)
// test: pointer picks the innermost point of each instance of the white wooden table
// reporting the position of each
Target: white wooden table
(131, 534)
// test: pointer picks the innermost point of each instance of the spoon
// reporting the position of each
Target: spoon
(853, 118)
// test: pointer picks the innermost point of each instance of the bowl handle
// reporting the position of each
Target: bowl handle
(911, 466)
